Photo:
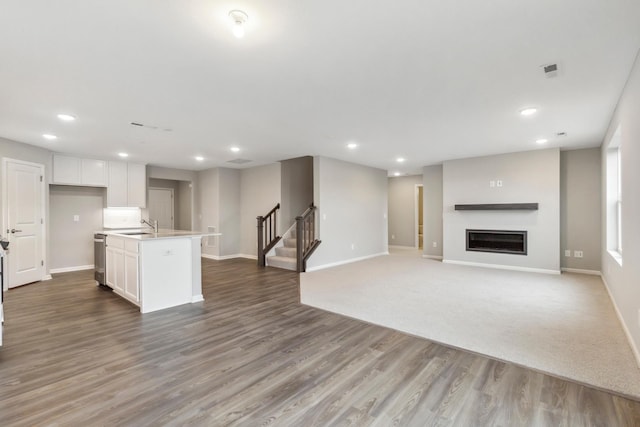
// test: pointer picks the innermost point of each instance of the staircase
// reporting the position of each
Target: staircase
(285, 256)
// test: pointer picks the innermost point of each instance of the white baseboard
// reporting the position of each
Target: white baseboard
(348, 261)
(402, 247)
(223, 257)
(197, 298)
(68, 269)
(439, 257)
(501, 266)
(634, 349)
(581, 271)
(47, 277)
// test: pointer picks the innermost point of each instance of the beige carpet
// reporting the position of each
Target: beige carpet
(564, 325)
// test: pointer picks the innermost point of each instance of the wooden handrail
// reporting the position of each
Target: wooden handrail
(267, 236)
(306, 241)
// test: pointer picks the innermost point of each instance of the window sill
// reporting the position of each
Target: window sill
(616, 256)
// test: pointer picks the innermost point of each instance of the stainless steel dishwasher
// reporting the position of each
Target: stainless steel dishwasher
(100, 257)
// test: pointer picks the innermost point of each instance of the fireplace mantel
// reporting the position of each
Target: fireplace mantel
(498, 207)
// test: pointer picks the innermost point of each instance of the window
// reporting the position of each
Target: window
(614, 197)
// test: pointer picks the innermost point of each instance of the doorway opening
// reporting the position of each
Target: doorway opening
(170, 203)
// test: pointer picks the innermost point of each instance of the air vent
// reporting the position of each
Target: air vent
(550, 70)
(561, 134)
(151, 127)
(239, 161)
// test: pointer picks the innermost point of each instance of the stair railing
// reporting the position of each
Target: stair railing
(306, 241)
(267, 233)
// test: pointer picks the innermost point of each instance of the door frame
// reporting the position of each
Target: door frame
(416, 209)
(173, 204)
(5, 212)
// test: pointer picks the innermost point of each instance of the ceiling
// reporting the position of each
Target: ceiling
(422, 79)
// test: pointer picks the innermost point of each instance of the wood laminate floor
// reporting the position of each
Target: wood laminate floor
(252, 355)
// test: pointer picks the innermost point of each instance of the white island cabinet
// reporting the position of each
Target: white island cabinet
(155, 270)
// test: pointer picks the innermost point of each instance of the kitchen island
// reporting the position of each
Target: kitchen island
(155, 270)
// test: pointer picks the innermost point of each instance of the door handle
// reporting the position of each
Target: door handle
(14, 231)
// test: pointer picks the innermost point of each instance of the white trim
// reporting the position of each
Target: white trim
(416, 211)
(402, 247)
(348, 261)
(68, 269)
(502, 267)
(632, 344)
(439, 257)
(47, 277)
(232, 256)
(197, 298)
(580, 271)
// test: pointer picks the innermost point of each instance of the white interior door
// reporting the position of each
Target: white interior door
(24, 221)
(161, 206)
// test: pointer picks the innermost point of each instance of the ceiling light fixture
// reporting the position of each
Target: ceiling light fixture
(66, 117)
(542, 141)
(400, 159)
(49, 136)
(239, 18)
(235, 149)
(352, 146)
(528, 111)
(123, 155)
(199, 158)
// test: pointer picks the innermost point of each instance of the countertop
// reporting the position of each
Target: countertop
(161, 234)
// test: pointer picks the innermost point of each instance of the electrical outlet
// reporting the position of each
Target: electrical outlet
(567, 252)
(76, 218)
(435, 244)
(577, 254)
(499, 183)
(393, 236)
(353, 246)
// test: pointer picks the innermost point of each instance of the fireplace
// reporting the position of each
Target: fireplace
(501, 241)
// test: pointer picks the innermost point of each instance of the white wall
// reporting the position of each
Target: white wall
(432, 187)
(73, 240)
(527, 177)
(352, 212)
(580, 208)
(259, 193)
(402, 210)
(623, 281)
(208, 204)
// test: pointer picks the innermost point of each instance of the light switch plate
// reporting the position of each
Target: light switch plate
(76, 218)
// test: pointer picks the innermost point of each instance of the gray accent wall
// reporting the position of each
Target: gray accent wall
(402, 210)
(526, 177)
(623, 280)
(259, 193)
(432, 188)
(580, 201)
(229, 210)
(296, 188)
(352, 212)
(73, 240)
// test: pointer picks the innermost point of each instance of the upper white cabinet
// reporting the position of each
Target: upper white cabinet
(127, 185)
(69, 170)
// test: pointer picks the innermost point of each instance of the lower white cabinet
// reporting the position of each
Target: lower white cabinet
(123, 267)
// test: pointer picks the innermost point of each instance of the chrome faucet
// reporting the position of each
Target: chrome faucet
(153, 224)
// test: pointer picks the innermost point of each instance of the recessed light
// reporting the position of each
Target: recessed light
(528, 111)
(235, 149)
(239, 19)
(542, 141)
(199, 158)
(49, 136)
(400, 159)
(396, 174)
(66, 117)
(352, 146)
(123, 155)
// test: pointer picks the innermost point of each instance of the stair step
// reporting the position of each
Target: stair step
(286, 252)
(290, 243)
(286, 263)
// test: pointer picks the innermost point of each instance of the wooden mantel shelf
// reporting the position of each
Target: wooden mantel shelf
(498, 207)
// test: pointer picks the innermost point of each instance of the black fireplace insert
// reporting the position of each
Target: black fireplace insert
(501, 241)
